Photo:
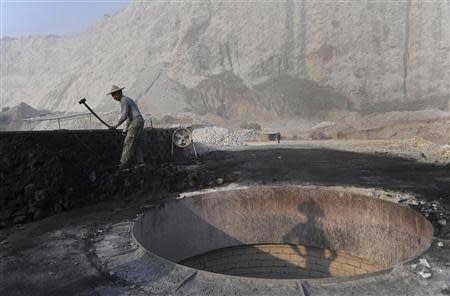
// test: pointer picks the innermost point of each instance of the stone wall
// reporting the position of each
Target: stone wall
(42, 173)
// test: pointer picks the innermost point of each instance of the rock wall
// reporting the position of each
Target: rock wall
(42, 173)
(248, 60)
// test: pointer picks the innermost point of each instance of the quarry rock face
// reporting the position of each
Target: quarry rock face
(242, 60)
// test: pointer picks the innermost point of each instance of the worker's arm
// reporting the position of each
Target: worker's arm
(127, 125)
(123, 114)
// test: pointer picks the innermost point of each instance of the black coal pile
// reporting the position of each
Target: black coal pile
(43, 173)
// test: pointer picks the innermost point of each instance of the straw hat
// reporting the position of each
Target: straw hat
(115, 88)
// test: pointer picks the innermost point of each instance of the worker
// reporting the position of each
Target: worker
(132, 146)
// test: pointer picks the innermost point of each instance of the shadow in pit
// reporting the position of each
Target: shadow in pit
(302, 253)
(182, 235)
(316, 260)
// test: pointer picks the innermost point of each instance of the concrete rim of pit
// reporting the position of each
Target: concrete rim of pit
(218, 278)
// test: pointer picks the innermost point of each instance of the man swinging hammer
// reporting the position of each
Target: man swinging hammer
(132, 146)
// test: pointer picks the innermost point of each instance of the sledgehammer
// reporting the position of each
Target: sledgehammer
(83, 101)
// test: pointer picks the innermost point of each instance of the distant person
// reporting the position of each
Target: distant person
(132, 146)
(278, 137)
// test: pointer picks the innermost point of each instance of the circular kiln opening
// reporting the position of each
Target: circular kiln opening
(284, 232)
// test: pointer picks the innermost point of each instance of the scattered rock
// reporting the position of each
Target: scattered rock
(425, 274)
(442, 222)
(425, 263)
(435, 213)
(440, 244)
(219, 181)
(423, 271)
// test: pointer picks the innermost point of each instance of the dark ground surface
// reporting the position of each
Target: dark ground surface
(333, 167)
(54, 256)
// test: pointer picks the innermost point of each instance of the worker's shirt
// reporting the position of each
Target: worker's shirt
(129, 110)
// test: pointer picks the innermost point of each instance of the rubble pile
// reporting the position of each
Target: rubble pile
(219, 137)
(13, 118)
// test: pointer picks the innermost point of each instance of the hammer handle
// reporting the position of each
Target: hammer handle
(92, 111)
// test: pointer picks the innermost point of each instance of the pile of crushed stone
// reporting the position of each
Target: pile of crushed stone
(220, 137)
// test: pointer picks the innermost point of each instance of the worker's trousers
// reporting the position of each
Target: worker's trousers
(132, 146)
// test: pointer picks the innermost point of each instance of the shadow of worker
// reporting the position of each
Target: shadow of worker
(309, 242)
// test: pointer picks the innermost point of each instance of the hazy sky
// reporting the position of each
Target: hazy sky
(58, 17)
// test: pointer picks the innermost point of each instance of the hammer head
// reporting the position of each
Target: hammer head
(82, 101)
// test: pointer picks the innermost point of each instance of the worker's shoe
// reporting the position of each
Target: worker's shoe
(123, 167)
(139, 165)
